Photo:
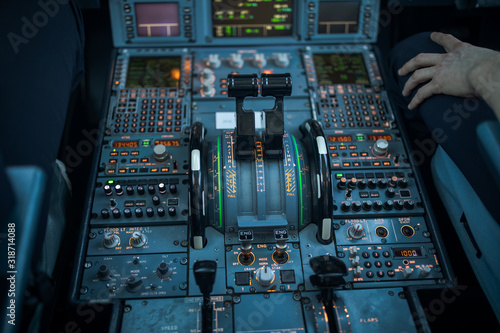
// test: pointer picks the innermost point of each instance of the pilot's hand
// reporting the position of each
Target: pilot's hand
(452, 73)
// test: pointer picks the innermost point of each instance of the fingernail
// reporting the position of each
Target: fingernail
(400, 71)
(409, 107)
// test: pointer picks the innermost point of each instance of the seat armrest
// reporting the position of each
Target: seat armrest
(488, 134)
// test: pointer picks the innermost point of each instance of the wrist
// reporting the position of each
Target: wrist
(485, 77)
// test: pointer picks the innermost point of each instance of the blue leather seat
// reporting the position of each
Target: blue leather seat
(477, 230)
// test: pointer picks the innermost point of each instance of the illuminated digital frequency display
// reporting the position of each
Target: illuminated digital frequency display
(157, 19)
(339, 68)
(254, 18)
(153, 72)
(338, 17)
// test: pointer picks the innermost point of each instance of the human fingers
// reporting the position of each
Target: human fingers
(422, 94)
(419, 61)
(447, 41)
(419, 76)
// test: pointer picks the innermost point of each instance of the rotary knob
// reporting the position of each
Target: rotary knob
(356, 231)
(108, 190)
(164, 270)
(105, 214)
(110, 240)
(352, 183)
(133, 284)
(390, 192)
(372, 183)
(346, 206)
(342, 183)
(207, 89)
(399, 204)
(362, 184)
(162, 188)
(264, 276)
(138, 239)
(356, 206)
(116, 213)
(118, 189)
(151, 189)
(393, 182)
(140, 189)
(281, 60)
(377, 205)
(214, 61)
(103, 273)
(156, 200)
(403, 183)
(127, 212)
(173, 188)
(130, 190)
(208, 76)
(380, 147)
(160, 153)
(259, 60)
(367, 205)
(236, 60)
(161, 211)
(172, 211)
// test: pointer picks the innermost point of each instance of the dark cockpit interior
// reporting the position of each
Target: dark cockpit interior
(250, 166)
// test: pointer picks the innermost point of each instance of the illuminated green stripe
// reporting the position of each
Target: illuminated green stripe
(300, 182)
(218, 179)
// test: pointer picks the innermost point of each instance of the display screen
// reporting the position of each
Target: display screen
(340, 68)
(125, 144)
(340, 138)
(168, 142)
(407, 253)
(338, 17)
(380, 136)
(157, 19)
(255, 18)
(153, 72)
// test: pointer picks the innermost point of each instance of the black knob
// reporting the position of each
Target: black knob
(362, 184)
(127, 212)
(382, 183)
(172, 211)
(140, 189)
(372, 183)
(151, 189)
(352, 183)
(393, 182)
(342, 183)
(108, 190)
(399, 204)
(138, 212)
(118, 189)
(103, 273)
(377, 205)
(204, 275)
(389, 205)
(116, 213)
(130, 190)
(410, 204)
(164, 270)
(346, 206)
(173, 188)
(390, 192)
(403, 183)
(356, 206)
(161, 211)
(150, 211)
(162, 188)
(367, 205)
(156, 200)
(133, 284)
(105, 213)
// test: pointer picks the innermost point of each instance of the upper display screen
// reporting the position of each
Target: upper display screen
(157, 19)
(253, 18)
(338, 17)
(153, 72)
(340, 68)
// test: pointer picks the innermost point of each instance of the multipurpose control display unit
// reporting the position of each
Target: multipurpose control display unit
(252, 175)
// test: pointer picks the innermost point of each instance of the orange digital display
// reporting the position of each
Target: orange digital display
(125, 144)
(340, 138)
(168, 142)
(380, 136)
